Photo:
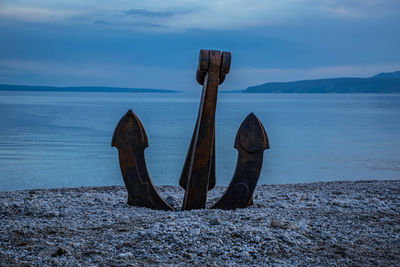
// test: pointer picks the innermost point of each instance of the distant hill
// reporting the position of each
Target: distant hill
(8, 87)
(388, 75)
(380, 83)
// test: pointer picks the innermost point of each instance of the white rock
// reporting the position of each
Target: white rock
(125, 255)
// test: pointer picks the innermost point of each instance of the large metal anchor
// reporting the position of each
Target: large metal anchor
(198, 173)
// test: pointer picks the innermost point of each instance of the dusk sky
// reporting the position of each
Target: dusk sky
(155, 44)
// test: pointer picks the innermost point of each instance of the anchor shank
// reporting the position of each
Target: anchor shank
(199, 162)
(185, 172)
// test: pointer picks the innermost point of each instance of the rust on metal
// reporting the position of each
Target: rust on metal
(131, 140)
(198, 174)
(251, 141)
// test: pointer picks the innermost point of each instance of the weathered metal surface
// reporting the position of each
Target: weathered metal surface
(185, 171)
(251, 141)
(198, 174)
(131, 140)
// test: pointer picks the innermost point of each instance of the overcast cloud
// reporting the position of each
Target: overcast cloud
(128, 43)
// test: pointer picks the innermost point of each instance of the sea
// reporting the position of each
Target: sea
(63, 139)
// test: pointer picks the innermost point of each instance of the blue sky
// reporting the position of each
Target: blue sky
(155, 44)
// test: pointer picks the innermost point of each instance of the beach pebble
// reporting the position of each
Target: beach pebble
(214, 221)
(55, 251)
(314, 224)
(171, 200)
(125, 255)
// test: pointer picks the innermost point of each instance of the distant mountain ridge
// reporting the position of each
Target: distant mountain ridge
(9, 87)
(381, 83)
(388, 75)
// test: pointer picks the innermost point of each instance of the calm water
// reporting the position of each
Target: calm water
(52, 139)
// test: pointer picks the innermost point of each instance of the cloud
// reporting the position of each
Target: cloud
(177, 15)
(134, 25)
(36, 14)
(147, 13)
(360, 8)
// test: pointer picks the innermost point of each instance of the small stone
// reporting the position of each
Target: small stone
(125, 255)
(279, 205)
(195, 231)
(358, 196)
(277, 224)
(245, 254)
(55, 251)
(170, 200)
(214, 221)
(187, 255)
(156, 227)
(202, 250)
(303, 226)
(76, 244)
(225, 256)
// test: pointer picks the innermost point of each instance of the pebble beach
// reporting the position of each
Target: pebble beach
(314, 224)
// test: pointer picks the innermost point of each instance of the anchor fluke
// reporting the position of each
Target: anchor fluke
(251, 135)
(251, 141)
(130, 139)
(129, 133)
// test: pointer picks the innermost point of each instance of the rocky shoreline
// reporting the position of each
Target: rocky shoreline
(317, 224)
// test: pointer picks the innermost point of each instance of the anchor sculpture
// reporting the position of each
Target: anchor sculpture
(198, 173)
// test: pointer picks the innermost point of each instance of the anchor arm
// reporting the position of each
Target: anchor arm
(251, 141)
(131, 140)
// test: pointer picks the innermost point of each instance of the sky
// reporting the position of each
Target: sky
(155, 44)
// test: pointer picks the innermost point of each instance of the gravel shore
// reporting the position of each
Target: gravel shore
(317, 224)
